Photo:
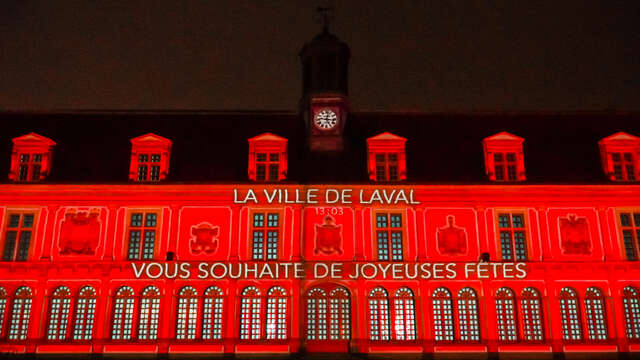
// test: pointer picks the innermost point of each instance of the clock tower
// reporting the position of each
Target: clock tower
(324, 105)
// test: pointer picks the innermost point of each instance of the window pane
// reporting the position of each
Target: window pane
(272, 245)
(518, 221)
(505, 243)
(14, 221)
(272, 220)
(258, 220)
(155, 158)
(381, 220)
(136, 220)
(149, 244)
(511, 173)
(142, 172)
(499, 172)
(393, 173)
(380, 158)
(134, 245)
(23, 171)
(625, 219)
(520, 244)
(273, 157)
(393, 157)
(497, 157)
(261, 157)
(396, 246)
(396, 221)
(150, 220)
(273, 172)
(27, 221)
(143, 158)
(636, 219)
(23, 245)
(261, 172)
(511, 157)
(629, 248)
(38, 158)
(380, 173)
(24, 158)
(258, 243)
(383, 245)
(9, 246)
(504, 221)
(155, 173)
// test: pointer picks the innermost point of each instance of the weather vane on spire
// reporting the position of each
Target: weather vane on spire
(326, 15)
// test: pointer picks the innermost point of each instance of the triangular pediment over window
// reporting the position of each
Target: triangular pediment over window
(31, 157)
(150, 155)
(386, 157)
(620, 156)
(267, 158)
(504, 157)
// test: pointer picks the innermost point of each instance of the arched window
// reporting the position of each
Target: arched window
(506, 315)
(3, 308)
(122, 314)
(20, 314)
(468, 324)
(340, 311)
(571, 328)
(378, 314)
(595, 313)
(250, 322)
(187, 325)
(631, 302)
(59, 314)
(531, 315)
(149, 313)
(404, 327)
(212, 315)
(316, 314)
(276, 313)
(85, 312)
(442, 315)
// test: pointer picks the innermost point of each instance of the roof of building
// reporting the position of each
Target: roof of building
(212, 147)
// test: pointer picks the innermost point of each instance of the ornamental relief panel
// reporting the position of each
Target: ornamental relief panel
(80, 231)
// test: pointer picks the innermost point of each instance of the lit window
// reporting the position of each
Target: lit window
(404, 325)
(20, 314)
(379, 315)
(17, 237)
(142, 236)
(149, 313)
(630, 226)
(123, 314)
(276, 314)
(595, 313)
(571, 328)
(531, 315)
(149, 158)
(506, 315)
(212, 315)
(503, 157)
(468, 323)
(3, 309)
(187, 314)
(85, 314)
(631, 302)
(389, 236)
(250, 314)
(31, 158)
(267, 157)
(265, 233)
(316, 314)
(340, 314)
(59, 314)
(442, 315)
(512, 237)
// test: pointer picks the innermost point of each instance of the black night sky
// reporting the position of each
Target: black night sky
(462, 55)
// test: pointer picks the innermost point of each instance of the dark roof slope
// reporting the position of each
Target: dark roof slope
(211, 147)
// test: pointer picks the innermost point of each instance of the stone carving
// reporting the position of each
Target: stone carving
(574, 235)
(452, 240)
(204, 238)
(79, 232)
(328, 239)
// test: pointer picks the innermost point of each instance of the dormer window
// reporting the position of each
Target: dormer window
(387, 159)
(620, 155)
(267, 158)
(150, 154)
(503, 157)
(31, 158)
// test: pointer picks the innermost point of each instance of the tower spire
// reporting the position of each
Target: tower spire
(326, 16)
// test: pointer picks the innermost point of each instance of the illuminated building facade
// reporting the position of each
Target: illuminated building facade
(464, 241)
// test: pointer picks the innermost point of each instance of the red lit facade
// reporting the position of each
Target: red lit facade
(546, 262)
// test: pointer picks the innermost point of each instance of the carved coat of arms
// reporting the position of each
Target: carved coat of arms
(79, 232)
(452, 240)
(204, 238)
(328, 237)
(574, 235)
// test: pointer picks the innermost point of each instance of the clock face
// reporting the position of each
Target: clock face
(325, 119)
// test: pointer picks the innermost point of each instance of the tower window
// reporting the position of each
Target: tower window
(142, 236)
(17, 238)
(513, 243)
